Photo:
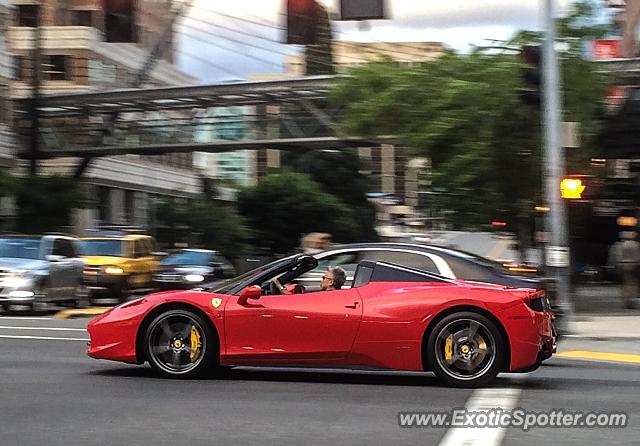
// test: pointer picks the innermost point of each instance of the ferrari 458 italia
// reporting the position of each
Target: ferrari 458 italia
(390, 317)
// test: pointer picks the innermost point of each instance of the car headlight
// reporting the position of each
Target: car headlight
(113, 270)
(17, 281)
(194, 278)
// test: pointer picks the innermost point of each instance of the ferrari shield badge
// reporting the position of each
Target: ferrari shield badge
(216, 301)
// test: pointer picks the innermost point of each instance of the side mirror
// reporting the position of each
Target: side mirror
(250, 292)
(55, 258)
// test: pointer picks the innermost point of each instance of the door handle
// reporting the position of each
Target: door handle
(353, 305)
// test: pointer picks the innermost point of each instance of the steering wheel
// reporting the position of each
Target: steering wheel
(271, 288)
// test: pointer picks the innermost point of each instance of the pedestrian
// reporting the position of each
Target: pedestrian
(624, 256)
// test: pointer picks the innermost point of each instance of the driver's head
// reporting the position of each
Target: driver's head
(333, 279)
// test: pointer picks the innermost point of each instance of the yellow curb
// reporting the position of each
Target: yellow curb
(600, 356)
(81, 312)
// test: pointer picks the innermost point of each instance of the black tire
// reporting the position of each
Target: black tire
(124, 290)
(41, 304)
(167, 351)
(465, 349)
(82, 298)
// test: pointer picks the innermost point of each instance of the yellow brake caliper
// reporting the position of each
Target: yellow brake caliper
(196, 344)
(448, 348)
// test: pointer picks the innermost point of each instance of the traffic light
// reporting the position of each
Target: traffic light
(572, 188)
(302, 19)
(531, 74)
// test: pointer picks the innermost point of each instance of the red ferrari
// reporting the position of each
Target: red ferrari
(392, 317)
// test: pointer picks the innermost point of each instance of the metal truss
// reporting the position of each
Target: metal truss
(286, 115)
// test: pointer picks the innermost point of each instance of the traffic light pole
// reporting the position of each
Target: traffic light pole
(557, 253)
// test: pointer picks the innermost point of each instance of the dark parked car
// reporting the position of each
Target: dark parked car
(190, 268)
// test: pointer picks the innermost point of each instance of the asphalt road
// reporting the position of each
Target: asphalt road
(51, 393)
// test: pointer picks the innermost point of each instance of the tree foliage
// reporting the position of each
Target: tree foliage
(213, 225)
(338, 173)
(284, 206)
(45, 202)
(465, 113)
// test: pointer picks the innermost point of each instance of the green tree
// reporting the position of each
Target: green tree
(284, 206)
(465, 113)
(213, 225)
(338, 172)
(45, 202)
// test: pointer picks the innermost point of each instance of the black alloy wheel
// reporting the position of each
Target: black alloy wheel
(179, 344)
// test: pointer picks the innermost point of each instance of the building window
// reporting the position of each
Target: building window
(129, 205)
(28, 15)
(61, 17)
(4, 104)
(104, 202)
(82, 18)
(119, 21)
(3, 25)
(56, 68)
(19, 67)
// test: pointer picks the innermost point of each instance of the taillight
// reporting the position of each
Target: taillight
(535, 299)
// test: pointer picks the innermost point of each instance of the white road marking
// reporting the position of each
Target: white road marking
(46, 338)
(19, 318)
(9, 327)
(483, 399)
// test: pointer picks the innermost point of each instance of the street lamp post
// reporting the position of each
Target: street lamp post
(557, 252)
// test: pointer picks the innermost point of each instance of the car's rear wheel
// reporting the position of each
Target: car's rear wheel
(465, 349)
(180, 344)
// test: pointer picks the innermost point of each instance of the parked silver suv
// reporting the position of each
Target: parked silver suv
(38, 272)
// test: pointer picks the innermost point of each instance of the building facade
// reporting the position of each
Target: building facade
(6, 72)
(93, 45)
(7, 141)
(628, 20)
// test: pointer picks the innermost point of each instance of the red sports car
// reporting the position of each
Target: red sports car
(392, 317)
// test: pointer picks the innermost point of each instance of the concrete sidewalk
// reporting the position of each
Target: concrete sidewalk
(605, 327)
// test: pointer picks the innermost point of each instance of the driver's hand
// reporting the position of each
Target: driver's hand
(281, 289)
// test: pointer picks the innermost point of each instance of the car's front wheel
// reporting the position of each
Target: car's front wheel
(180, 344)
(82, 296)
(465, 349)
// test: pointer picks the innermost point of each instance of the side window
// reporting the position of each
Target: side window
(149, 245)
(139, 250)
(63, 247)
(412, 260)
(345, 260)
(469, 270)
(348, 261)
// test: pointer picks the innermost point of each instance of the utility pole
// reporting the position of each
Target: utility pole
(34, 146)
(557, 252)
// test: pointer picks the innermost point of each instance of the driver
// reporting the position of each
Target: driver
(333, 279)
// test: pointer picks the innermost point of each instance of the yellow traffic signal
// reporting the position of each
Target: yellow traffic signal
(571, 188)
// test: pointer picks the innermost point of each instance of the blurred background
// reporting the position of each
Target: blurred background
(243, 128)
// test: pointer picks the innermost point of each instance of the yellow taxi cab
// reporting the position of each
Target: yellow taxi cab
(118, 263)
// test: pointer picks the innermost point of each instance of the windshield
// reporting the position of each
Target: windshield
(227, 286)
(20, 248)
(112, 248)
(187, 258)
